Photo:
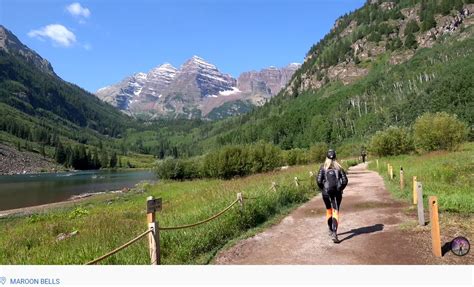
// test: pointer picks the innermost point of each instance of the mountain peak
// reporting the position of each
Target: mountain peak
(12, 45)
(198, 62)
(166, 66)
(197, 58)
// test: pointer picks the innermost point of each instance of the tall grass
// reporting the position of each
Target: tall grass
(448, 175)
(104, 224)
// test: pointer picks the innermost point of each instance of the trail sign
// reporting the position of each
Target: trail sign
(153, 205)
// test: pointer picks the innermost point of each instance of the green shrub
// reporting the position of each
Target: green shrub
(265, 157)
(411, 27)
(317, 152)
(296, 156)
(348, 150)
(392, 141)
(410, 41)
(179, 169)
(439, 131)
(78, 212)
(166, 169)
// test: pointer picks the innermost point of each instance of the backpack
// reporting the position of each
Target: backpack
(331, 184)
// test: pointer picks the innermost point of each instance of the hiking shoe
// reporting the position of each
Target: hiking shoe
(334, 237)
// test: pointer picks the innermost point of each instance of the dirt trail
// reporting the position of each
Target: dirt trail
(369, 232)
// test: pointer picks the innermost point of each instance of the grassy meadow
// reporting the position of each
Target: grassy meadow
(448, 175)
(106, 223)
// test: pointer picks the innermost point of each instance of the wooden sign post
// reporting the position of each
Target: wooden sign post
(415, 200)
(152, 206)
(434, 220)
(421, 211)
(297, 183)
(402, 179)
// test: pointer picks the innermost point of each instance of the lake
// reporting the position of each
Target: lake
(18, 191)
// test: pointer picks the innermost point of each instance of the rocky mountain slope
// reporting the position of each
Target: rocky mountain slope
(197, 89)
(358, 39)
(10, 44)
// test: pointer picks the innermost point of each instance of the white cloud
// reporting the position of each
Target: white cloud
(87, 46)
(59, 34)
(75, 9)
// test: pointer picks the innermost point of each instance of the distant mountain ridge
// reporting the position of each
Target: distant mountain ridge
(195, 90)
(10, 44)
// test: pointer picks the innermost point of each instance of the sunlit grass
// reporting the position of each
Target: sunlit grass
(104, 224)
(448, 175)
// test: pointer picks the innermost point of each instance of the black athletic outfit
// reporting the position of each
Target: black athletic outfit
(332, 199)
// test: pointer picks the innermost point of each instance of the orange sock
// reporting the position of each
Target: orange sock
(328, 213)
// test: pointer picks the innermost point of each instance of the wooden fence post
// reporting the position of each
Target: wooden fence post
(402, 179)
(153, 205)
(388, 169)
(240, 198)
(421, 211)
(312, 181)
(434, 221)
(377, 161)
(274, 186)
(391, 172)
(415, 200)
(297, 182)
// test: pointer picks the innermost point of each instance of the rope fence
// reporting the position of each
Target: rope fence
(203, 221)
(119, 248)
(154, 205)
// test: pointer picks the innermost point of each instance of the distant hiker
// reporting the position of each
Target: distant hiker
(363, 154)
(332, 180)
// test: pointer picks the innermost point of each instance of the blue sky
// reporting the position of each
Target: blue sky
(97, 43)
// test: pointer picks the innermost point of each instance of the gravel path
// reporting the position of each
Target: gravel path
(369, 232)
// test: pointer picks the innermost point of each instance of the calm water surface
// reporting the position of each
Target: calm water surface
(28, 190)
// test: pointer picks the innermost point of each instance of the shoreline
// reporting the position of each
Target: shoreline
(74, 170)
(79, 198)
(28, 210)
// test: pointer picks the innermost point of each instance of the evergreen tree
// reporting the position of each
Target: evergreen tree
(428, 22)
(42, 151)
(410, 42)
(75, 157)
(95, 159)
(411, 27)
(113, 160)
(60, 155)
(104, 159)
(83, 160)
(445, 6)
(69, 156)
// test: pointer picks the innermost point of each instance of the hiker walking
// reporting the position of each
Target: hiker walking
(332, 180)
(363, 154)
